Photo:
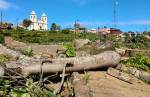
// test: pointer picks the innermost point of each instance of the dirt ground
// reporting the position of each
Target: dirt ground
(103, 85)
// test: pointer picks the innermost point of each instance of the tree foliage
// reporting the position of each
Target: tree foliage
(54, 27)
(26, 23)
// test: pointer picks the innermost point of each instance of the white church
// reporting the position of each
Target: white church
(38, 24)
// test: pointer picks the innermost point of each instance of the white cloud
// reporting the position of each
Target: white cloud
(4, 4)
(81, 2)
(134, 22)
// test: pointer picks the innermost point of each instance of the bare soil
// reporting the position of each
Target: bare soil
(103, 85)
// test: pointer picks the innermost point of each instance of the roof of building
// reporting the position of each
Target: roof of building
(33, 12)
(43, 15)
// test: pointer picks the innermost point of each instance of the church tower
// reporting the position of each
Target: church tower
(44, 22)
(38, 24)
(33, 18)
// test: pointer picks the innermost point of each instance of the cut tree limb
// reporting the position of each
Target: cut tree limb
(62, 81)
(120, 75)
(140, 74)
(105, 59)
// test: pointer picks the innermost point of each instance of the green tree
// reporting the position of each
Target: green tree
(54, 27)
(26, 23)
(77, 26)
(65, 31)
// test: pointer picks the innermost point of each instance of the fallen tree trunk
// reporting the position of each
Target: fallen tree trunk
(120, 75)
(105, 59)
(140, 74)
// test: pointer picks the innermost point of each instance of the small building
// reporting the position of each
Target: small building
(131, 34)
(1, 27)
(94, 31)
(8, 27)
(111, 31)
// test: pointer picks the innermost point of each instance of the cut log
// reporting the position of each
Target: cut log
(140, 74)
(105, 59)
(120, 75)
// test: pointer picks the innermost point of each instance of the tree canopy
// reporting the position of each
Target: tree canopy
(54, 27)
(26, 23)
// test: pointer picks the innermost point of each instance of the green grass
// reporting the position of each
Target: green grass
(50, 36)
(140, 61)
(4, 58)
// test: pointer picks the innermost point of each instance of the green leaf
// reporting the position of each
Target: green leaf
(50, 94)
(70, 52)
(25, 95)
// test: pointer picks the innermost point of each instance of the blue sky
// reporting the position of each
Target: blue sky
(132, 15)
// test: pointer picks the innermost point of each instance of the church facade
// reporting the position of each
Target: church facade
(38, 24)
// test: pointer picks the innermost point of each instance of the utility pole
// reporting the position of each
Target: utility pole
(75, 29)
(75, 25)
(1, 18)
(115, 13)
(17, 21)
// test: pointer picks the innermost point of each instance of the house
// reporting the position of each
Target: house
(8, 27)
(38, 24)
(131, 34)
(111, 31)
(92, 31)
(1, 27)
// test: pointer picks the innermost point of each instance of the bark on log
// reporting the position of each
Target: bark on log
(140, 74)
(105, 59)
(120, 75)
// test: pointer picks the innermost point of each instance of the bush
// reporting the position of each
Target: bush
(4, 58)
(140, 61)
(65, 31)
(27, 51)
(1, 38)
(117, 44)
(6, 32)
(70, 52)
(134, 46)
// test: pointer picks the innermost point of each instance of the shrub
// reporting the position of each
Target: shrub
(65, 31)
(70, 52)
(134, 46)
(1, 38)
(140, 61)
(86, 77)
(117, 44)
(6, 32)
(4, 57)
(27, 51)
